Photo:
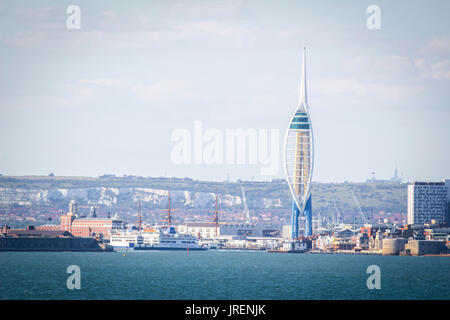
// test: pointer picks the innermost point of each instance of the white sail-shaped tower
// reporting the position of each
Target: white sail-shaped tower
(299, 159)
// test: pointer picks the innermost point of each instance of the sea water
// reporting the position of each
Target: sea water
(217, 274)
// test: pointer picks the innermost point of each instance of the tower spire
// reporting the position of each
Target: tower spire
(303, 97)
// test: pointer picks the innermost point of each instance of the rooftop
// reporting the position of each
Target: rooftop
(38, 233)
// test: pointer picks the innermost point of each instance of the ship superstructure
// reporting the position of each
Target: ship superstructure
(167, 238)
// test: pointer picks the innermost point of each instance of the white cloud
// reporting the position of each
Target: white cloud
(160, 90)
(211, 27)
(439, 70)
(380, 66)
(71, 96)
(106, 82)
(109, 33)
(437, 46)
(35, 13)
(356, 89)
(79, 90)
(222, 9)
(29, 38)
(435, 60)
(109, 13)
(64, 102)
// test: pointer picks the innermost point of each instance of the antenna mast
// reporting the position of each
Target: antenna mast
(169, 212)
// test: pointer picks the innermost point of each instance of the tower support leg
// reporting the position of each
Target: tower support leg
(308, 217)
(295, 220)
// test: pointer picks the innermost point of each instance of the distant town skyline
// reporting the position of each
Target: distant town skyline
(106, 99)
(372, 179)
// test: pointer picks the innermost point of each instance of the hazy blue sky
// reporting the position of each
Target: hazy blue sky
(106, 98)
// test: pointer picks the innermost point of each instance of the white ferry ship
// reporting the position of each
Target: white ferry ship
(168, 239)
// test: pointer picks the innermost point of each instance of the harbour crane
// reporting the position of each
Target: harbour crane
(139, 216)
(363, 217)
(319, 223)
(246, 212)
(338, 216)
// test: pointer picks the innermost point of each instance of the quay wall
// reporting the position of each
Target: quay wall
(49, 244)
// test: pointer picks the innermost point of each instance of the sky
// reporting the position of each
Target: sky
(109, 97)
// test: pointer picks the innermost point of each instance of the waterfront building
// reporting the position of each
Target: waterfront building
(89, 226)
(343, 244)
(286, 232)
(206, 230)
(299, 160)
(427, 201)
(229, 231)
(422, 247)
(443, 234)
(324, 242)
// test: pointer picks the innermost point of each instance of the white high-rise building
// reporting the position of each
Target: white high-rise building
(427, 201)
(447, 183)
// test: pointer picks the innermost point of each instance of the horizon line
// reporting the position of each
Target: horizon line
(106, 176)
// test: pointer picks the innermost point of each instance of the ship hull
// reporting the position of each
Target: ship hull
(169, 248)
(288, 251)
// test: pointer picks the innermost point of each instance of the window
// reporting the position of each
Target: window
(300, 119)
(299, 126)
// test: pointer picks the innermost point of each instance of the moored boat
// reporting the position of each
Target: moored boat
(168, 239)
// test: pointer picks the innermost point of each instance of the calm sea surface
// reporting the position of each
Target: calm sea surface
(220, 275)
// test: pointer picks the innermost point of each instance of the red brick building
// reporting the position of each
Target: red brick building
(88, 226)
